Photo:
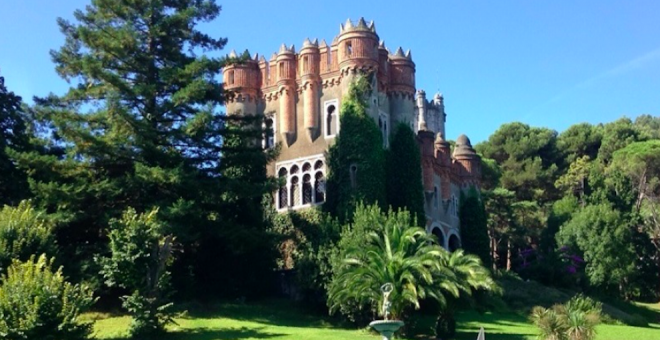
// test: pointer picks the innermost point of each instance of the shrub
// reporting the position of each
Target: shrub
(37, 303)
(574, 320)
(140, 256)
(23, 231)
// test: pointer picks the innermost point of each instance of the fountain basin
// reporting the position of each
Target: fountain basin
(386, 327)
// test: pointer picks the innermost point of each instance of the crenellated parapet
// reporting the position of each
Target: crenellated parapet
(242, 81)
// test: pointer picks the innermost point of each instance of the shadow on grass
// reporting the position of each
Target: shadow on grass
(216, 334)
(278, 312)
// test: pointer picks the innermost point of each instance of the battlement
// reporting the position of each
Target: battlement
(356, 49)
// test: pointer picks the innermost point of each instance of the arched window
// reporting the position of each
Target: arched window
(353, 174)
(295, 191)
(331, 120)
(454, 243)
(382, 124)
(440, 236)
(318, 165)
(307, 189)
(283, 192)
(319, 187)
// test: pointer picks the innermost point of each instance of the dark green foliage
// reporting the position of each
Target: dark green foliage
(24, 231)
(140, 254)
(404, 174)
(474, 227)
(357, 159)
(13, 135)
(490, 174)
(579, 140)
(308, 241)
(38, 303)
(616, 135)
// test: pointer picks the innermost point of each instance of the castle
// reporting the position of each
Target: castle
(300, 96)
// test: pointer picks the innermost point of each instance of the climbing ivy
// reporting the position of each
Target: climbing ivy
(357, 159)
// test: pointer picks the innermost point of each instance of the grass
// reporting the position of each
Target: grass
(283, 320)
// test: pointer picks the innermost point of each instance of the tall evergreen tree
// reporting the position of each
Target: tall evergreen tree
(474, 227)
(404, 174)
(141, 126)
(13, 135)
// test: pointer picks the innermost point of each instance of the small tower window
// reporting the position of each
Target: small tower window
(281, 70)
(230, 77)
(349, 49)
(331, 119)
(306, 63)
(353, 174)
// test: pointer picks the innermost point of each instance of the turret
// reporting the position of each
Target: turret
(286, 82)
(467, 161)
(443, 157)
(401, 89)
(441, 118)
(309, 63)
(421, 110)
(358, 47)
(383, 67)
(241, 81)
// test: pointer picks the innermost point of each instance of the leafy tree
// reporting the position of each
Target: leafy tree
(38, 303)
(474, 227)
(490, 174)
(498, 203)
(406, 256)
(603, 236)
(578, 141)
(357, 159)
(616, 135)
(574, 181)
(24, 231)
(13, 135)
(648, 126)
(527, 157)
(404, 174)
(140, 256)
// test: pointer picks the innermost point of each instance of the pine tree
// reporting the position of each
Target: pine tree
(13, 135)
(141, 126)
(404, 174)
(474, 227)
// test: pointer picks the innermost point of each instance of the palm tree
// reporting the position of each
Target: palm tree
(412, 261)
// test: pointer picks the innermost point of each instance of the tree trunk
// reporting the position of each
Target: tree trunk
(508, 254)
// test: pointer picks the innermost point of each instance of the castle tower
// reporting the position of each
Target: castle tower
(309, 63)
(467, 161)
(420, 118)
(443, 158)
(286, 83)
(402, 87)
(441, 116)
(383, 67)
(357, 47)
(241, 81)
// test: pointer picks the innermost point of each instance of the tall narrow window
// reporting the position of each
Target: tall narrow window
(283, 192)
(349, 49)
(353, 175)
(307, 189)
(382, 124)
(306, 63)
(268, 135)
(295, 191)
(319, 187)
(331, 120)
(281, 70)
(231, 77)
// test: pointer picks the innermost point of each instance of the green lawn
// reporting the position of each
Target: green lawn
(282, 320)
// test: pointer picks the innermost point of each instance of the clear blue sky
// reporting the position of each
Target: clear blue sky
(545, 63)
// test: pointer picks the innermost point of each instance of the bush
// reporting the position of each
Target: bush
(574, 320)
(37, 303)
(140, 256)
(23, 231)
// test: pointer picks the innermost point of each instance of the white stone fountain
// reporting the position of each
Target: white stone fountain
(386, 327)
